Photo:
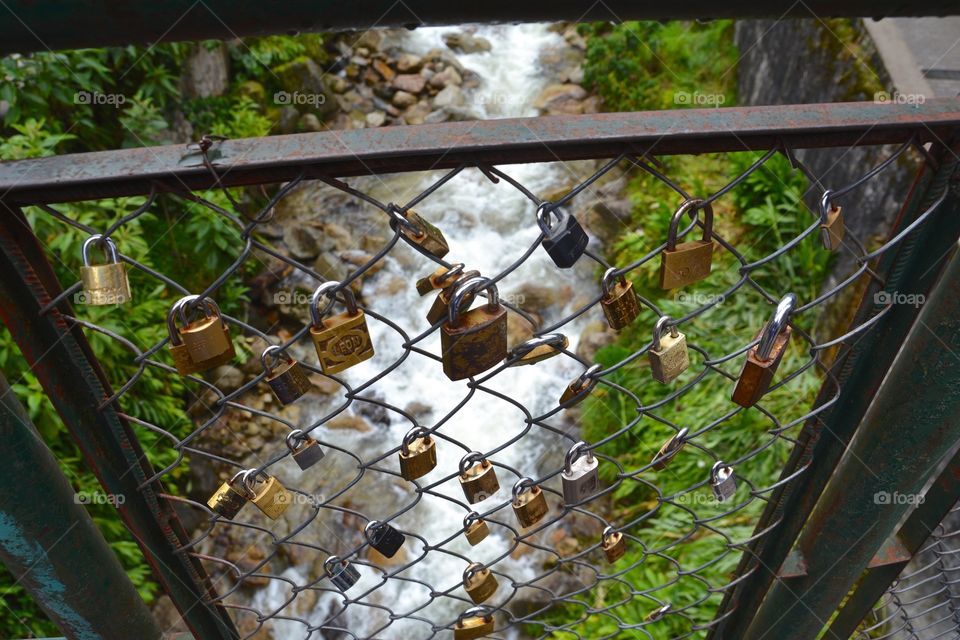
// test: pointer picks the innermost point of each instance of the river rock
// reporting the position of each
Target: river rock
(384, 70)
(561, 98)
(376, 118)
(404, 99)
(450, 96)
(330, 266)
(309, 122)
(417, 114)
(409, 63)
(287, 122)
(519, 329)
(537, 298)
(305, 77)
(448, 76)
(206, 72)
(410, 82)
(466, 42)
(348, 421)
(420, 410)
(442, 58)
(301, 242)
(594, 336)
(228, 377)
(336, 83)
(608, 219)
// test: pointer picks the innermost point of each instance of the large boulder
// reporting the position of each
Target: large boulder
(206, 72)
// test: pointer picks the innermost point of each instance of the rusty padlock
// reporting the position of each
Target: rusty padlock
(537, 349)
(181, 357)
(689, 262)
(207, 339)
(286, 377)
(440, 308)
(441, 278)
(474, 341)
(578, 390)
(418, 454)
(619, 302)
(831, 223)
(614, 544)
(418, 233)
(669, 450)
(104, 283)
(529, 504)
(342, 340)
(764, 358)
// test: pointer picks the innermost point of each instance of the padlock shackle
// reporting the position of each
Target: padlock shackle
(544, 209)
(273, 351)
(210, 309)
(662, 323)
(111, 249)
(413, 434)
(470, 518)
(825, 206)
(368, 530)
(473, 285)
(172, 330)
(398, 217)
(242, 475)
(523, 485)
(673, 445)
(695, 204)
(334, 560)
(469, 460)
(781, 316)
(479, 612)
(295, 439)
(248, 483)
(455, 270)
(329, 289)
(608, 276)
(472, 569)
(720, 472)
(607, 533)
(656, 614)
(578, 449)
(587, 379)
(555, 340)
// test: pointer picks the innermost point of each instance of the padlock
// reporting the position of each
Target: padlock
(418, 233)
(478, 479)
(306, 451)
(619, 302)
(669, 450)
(476, 622)
(538, 349)
(287, 378)
(208, 339)
(614, 544)
(668, 355)
(474, 341)
(342, 574)
(564, 240)
(230, 497)
(831, 223)
(658, 613)
(722, 481)
(683, 264)
(269, 495)
(579, 477)
(384, 538)
(181, 357)
(342, 340)
(439, 279)
(764, 358)
(479, 582)
(475, 528)
(104, 283)
(529, 504)
(418, 454)
(440, 308)
(578, 390)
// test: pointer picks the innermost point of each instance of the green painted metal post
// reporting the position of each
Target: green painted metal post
(51, 545)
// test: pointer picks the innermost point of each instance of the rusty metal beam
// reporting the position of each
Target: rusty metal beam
(38, 26)
(446, 145)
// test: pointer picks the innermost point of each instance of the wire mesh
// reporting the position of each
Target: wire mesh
(539, 570)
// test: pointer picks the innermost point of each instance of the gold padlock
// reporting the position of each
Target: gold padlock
(342, 340)
(269, 495)
(207, 339)
(478, 479)
(439, 279)
(529, 503)
(418, 454)
(104, 283)
(418, 233)
(831, 223)
(181, 356)
(614, 544)
(538, 349)
(479, 582)
(476, 622)
(683, 264)
(440, 308)
(658, 613)
(668, 354)
(286, 377)
(669, 450)
(578, 390)
(764, 358)
(619, 302)
(474, 341)
(475, 528)
(230, 497)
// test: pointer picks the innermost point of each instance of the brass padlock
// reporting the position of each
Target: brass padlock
(418, 233)
(529, 503)
(831, 223)
(578, 390)
(475, 528)
(614, 544)
(306, 451)
(230, 497)
(474, 341)
(538, 349)
(658, 613)
(342, 340)
(440, 308)
(342, 574)
(439, 279)
(683, 264)
(669, 450)
(269, 495)
(476, 622)
(287, 378)
(418, 454)
(207, 339)
(668, 355)
(104, 283)
(580, 477)
(619, 302)
(181, 357)
(479, 582)
(478, 479)
(764, 358)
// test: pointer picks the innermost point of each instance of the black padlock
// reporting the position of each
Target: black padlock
(564, 239)
(384, 538)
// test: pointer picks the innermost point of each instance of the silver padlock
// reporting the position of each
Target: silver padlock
(306, 451)
(342, 574)
(722, 481)
(580, 478)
